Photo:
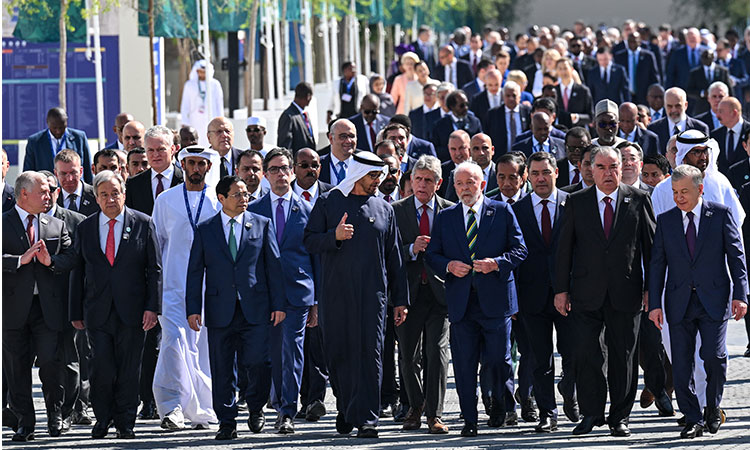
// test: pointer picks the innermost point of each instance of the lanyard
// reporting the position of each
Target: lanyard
(349, 84)
(200, 206)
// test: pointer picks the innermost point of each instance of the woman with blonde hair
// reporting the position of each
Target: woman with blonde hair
(522, 80)
(398, 91)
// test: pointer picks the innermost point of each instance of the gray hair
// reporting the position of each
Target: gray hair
(596, 151)
(428, 162)
(687, 171)
(158, 132)
(28, 180)
(469, 166)
(510, 84)
(718, 85)
(445, 87)
(107, 175)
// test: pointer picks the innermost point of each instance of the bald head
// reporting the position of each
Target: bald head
(132, 135)
(693, 37)
(492, 81)
(675, 102)
(221, 135)
(343, 138)
(628, 117)
(729, 112)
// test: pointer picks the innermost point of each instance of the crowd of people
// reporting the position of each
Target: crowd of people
(483, 198)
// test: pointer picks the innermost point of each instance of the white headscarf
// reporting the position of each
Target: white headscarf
(201, 64)
(362, 164)
(212, 177)
(695, 138)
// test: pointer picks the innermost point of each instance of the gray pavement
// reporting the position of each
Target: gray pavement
(649, 430)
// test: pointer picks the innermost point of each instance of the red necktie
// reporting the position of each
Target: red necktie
(609, 216)
(306, 195)
(30, 229)
(109, 249)
(546, 223)
(388, 198)
(424, 230)
(565, 97)
(511, 201)
(576, 177)
(307, 122)
(372, 136)
(159, 185)
(474, 65)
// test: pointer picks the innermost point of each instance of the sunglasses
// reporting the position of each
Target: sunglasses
(370, 111)
(254, 129)
(607, 124)
(305, 166)
(393, 171)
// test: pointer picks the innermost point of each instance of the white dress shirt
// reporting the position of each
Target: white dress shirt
(536, 201)
(78, 192)
(696, 218)
(600, 201)
(286, 204)
(335, 167)
(495, 100)
(257, 194)
(313, 191)
(166, 181)
(104, 230)
(237, 227)
(681, 125)
(477, 207)
(516, 197)
(450, 74)
(23, 214)
(572, 172)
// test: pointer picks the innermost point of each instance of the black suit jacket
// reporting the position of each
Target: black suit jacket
(419, 123)
(563, 174)
(446, 168)
(18, 282)
(615, 89)
(579, 102)
(9, 198)
(131, 285)
(429, 58)
(480, 104)
(648, 140)
(443, 129)
(292, 132)
(430, 119)
(708, 119)
(697, 87)
(591, 267)
(739, 175)
(646, 72)
(661, 129)
(556, 147)
(87, 205)
(534, 276)
(464, 74)
(408, 226)
(362, 130)
(138, 193)
(72, 219)
(471, 89)
(494, 126)
(737, 153)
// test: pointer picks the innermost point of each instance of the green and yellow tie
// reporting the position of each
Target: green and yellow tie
(471, 233)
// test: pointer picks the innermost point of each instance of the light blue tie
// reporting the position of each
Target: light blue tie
(632, 69)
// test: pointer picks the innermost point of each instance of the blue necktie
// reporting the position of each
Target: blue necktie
(341, 173)
(280, 220)
(657, 116)
(633, 69)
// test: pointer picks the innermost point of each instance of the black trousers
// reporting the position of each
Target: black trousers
(389, 390)
(427, 328)
(148, 364)
(652, 356)
(68, 355)
(19, 347)
(621, 339)
(116, 351)
(315, 373)
(84, 364)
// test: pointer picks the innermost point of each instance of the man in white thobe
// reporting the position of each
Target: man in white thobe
(197, 108)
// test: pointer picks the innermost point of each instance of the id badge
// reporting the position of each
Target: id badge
(346, 98)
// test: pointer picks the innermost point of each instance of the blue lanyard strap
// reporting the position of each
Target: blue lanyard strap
(200, 206)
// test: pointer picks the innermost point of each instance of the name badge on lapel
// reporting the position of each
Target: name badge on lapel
(626, 200)
(126, 235)
(562, 203)
(86, 202)
(43, 220)
(489, 212)
(372, 219)
(248, 225)
(709, 213)
(295, 208)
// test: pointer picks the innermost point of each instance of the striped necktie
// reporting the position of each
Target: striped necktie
(471, 233)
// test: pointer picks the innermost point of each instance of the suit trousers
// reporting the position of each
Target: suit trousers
(713, 351)
(747, 329)
(116, 352)
(68, 356)
(247, 344)
(19, 347)
(473, 332)
(525, 360)
(389, 389)
(315, 374)
(426, 329)
(538, 328)
(83, 347)
(652, 356)
(287, 360)
(148, 367)
(621, 339)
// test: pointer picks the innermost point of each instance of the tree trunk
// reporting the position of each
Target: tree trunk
(298, 52)
(154, 113)
(63, 53)
(250, 57)
(184, 49)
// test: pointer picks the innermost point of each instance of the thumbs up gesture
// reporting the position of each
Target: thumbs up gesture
(344, 230)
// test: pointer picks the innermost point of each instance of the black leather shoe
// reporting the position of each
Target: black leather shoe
(286, 426)
(747, 353)
(367, 432)
(256, 421)
(342, 426)
(496, 420)
(681, 421)
(587, 424)
(714, 418)
(400, 416)
(315, 411)
(125, 433)
(226, 433)
(528, 407)
(301, 414)
(511, 419)
(100, 430)
(691, 431)
(148, 411)
(469, 430)
(664, 404)
(619, 429)
(55, 427)
(66, 422)
(80, 418)
(570, 403)
(9, 419)
(546, 425)
(24, 434)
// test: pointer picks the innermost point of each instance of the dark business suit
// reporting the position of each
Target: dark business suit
(9, 198)
(648, 140)
(450, 190)
(744, 195)
(496, 128)
(563, 174)
(464, 74)
(604, 279)
(239, 298)
(728, 157)
(556, 147)
(646, 72)
(32, 322)
(697, 297)
(479, 305)
(678, 66)
(737, 69)
(299, 273)
(87, 204)
(430, 119)
(428, 55)
(711, 121)
(138, 192)
(445, 126)
(579, 102)
(427, 329)
(41, 156)
(662, 126)
(615, 88)
(697, 87)
(418, 147)
(363, 130)
(471, 89)
(536, 310)
(112, 145)
(111, 300)
(739, 174)
(480, 104)
(293, 132)
(419, 123)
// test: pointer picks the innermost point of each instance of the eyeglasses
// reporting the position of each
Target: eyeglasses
(53, 188)
(254, 129)
(575, 148)
(607, 124)
(374, 175)
(370, 111)
(220, 131)
(240, 195)
(344, 136)
(276, 169)
(393, 170)
(305, 166)
(699, 151)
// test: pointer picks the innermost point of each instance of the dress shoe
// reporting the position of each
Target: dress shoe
(54, 426)
(528, 407)
(681, 421)
(714, 418)
(691, 431)
(125, 433)
(747, 353)
(664, 405)
(342, 426)
(24, 434)
(200, 426)
(301, 414)
(469, 430)
(436, 426)
(148, 411)
(81, 418)
(226, 433)
(315, 411)
(100, 430)
(587, 424)
(400, 415)
(546, 425)
(647, 398)
(570, 403)
(511, 419)
(286, 426)
(256, 421)
(9, 419)
(367, 432)
(386, 411)
(66, 422)
(241, 405)
(174, 421)
(496, 420)
(413, 419)
(619, 429)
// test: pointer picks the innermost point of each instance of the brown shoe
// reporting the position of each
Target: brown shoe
(437, 426)
(413, 419)
(647, 398)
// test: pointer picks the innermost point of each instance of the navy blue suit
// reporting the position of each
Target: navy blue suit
(648, 140)
(9, 198)
(418, 147)
(239, 298)
(646, 72)
(495, 127)
(41, 156)
(697, 297)
(736, 154)
(419, 123)
(556, 147)
(443, 129)
(615, 89)
(479, 305)
(299, 274)
(661, 129)
(363, 130)
(737, 69)
(430, 119)
(678, 67)
(471, 89)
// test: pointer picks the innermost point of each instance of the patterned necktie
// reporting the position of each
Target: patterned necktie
(471, 233)
(690, 234)
(546, 223)
(510, 201)
(576, 177)
(341, 173)
(306, 195)
(280, 220)
(159, 184)
(609, 216)
(109, 248)
(72, 202)
(232, 240)
(656, 116)
(30, 230)
(424, 230)
(223, 168)
(307, 122)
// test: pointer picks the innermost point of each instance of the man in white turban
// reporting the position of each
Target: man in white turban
(202, 99)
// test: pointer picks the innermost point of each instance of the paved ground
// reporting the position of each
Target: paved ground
(649, 430)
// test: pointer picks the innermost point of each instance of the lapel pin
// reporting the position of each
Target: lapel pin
(43, 220)
(126, 236)
(85, 202)
(709, 213)
(489, 212)
(562, 203)
(626, 199)
(295, 208)
(747, 176)
(248, 225)
(372, 220)
(127, 229)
